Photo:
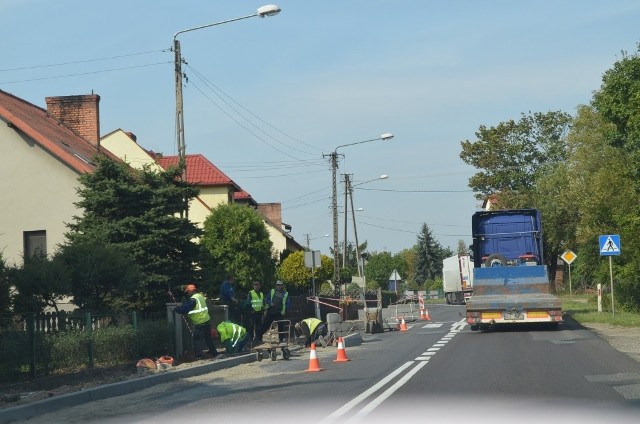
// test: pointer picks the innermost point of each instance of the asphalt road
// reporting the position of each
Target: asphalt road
(436, 370)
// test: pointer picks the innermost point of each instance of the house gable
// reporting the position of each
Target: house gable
(39, 177)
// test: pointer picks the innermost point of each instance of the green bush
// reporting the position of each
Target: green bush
(69, 351)
(155, 338)
(74, 350)
(627, 294)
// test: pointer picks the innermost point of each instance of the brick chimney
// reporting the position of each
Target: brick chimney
(273, 212)
(81, 114)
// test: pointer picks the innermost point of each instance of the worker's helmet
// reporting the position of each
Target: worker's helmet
(190, 288)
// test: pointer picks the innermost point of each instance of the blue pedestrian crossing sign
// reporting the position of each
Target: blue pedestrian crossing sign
(610, 245)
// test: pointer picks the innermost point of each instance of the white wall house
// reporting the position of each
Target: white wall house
(42, 158)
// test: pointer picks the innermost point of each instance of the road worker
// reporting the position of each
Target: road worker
(255, 299)
(314, 330)
(232, 336)
(277, 306)
(195, 307)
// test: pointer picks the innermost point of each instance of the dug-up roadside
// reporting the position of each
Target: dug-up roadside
(622, 339)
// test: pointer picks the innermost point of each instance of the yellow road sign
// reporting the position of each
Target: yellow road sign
(569, 257)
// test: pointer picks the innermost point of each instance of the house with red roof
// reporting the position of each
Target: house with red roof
(215, 187)
(43, 152)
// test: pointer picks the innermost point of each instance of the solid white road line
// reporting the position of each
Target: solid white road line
(377, 401)
(348, 406)
(419, 362)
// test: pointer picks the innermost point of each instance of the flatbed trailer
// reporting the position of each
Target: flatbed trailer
(510, 280)
(510, 295)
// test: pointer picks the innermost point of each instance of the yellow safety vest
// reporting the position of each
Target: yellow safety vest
(312, 323)
(229, 330)
(200, 313)
(284, 300)
(257, 300)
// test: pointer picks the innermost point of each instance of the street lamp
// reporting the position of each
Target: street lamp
(334, 199)
(381, 177)
(264, 11)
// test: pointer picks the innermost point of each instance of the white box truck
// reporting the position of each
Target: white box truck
(457, 279)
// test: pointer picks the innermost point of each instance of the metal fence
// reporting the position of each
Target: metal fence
(36, 345)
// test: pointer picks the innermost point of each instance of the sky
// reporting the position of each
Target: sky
(267, 99)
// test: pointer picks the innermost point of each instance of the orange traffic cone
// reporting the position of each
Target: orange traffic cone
(342, 353)
(403, 325)
(424, 315)
(314, 363)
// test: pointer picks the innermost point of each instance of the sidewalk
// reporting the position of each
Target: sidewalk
(55, 403)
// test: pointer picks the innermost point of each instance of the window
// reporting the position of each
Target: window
(35, 242)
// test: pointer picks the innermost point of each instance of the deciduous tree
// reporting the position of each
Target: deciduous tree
(237, 242)
(294, 273)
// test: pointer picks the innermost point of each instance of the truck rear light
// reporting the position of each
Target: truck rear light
(537, 314)
(555, 313)
(473, 314)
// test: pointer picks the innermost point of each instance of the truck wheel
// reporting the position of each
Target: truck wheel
(474, 327)
(496, 260)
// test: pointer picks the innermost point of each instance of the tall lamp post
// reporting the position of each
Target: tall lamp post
(353, 215)
(334, 199)
(264, 11)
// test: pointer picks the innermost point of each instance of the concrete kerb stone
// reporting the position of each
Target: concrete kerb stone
(30, 410)
(354, 339)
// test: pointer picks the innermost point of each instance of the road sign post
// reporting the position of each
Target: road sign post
(313, 260)
(610, 246)
(569, 257)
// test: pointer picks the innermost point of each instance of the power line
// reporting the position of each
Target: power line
(215, 87)
(266, 165)
(416, 191)
(412, 222)
(283, 175)
(85, 73)
(409, 231)
(82, 61)
(237, 112)
(241, 124)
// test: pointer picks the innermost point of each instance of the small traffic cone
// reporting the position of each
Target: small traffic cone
(342, 353)
(403, 325)
(426, 315)
(314, 363)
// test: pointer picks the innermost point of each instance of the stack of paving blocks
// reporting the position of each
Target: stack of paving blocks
(341, 328)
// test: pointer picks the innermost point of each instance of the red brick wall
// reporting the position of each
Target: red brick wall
(273, 212)
(81, 114)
